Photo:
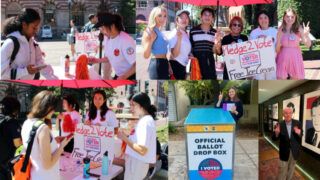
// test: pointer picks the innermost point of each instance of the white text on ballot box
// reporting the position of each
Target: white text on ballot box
(210, 143)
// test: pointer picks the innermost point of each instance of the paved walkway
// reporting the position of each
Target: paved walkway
(246, 159)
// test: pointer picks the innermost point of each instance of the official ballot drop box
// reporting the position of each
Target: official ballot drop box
(210, 143)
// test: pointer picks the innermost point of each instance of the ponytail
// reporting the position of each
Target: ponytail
(152, 111)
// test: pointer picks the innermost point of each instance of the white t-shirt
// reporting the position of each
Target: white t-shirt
(185, 47)
(75, 116)
(272, 32)
(121, 52)
(145, 135)
(110, 119)
(37, 170)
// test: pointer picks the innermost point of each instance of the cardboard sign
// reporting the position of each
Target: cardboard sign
(87, 43)
(93, 142)
(249, 58)
(228, 106)
(210, 155)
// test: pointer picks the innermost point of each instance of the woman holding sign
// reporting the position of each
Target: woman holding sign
(289, 58)
(45, 151)
(69, 119)
(236, 26)
(237, 110)
(99, 114)
(263, 31)
(141, 150)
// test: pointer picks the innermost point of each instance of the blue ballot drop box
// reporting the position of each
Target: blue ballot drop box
(210, 134)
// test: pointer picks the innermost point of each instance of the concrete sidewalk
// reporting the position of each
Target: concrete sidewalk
(246, 159)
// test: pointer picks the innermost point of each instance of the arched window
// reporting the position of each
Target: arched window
(141, 17)
(78, 14)
(49, 10)
(13, 9)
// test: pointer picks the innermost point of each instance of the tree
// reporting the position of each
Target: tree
(128, 12)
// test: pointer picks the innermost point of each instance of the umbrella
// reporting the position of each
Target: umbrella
(77, 83)
(222, 3)
(141, 22)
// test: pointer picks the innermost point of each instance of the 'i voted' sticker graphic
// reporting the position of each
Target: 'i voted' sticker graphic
(210, 168)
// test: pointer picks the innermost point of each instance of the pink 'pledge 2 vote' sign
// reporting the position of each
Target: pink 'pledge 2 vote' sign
(249, 58)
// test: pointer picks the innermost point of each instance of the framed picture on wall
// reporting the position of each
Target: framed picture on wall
(311, 121)
(275, 111)
(270, 111)
(265, 114)
(270, 125)
(293, 103)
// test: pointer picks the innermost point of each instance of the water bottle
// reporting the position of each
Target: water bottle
(66, 65)
(105, 164)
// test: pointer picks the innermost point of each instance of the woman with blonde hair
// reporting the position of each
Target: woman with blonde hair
(45, 151)
(289, 57)
(156, 45)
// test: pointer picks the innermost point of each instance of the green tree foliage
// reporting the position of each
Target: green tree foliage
(127, 11)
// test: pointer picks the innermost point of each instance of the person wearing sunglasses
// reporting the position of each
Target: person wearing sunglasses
(264, 30)
(235, 36)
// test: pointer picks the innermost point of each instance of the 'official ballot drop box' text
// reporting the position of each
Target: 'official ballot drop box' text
(210, 143)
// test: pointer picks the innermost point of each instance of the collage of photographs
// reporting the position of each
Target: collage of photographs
(160, 89)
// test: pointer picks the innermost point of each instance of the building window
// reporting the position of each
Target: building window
(78, 14)
(48, 13)
(146, 87)
(13, 9)
(142, 3)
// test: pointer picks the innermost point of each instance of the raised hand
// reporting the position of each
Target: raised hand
(179, 34)
(297, 130)
(151, 35)
(220, 96)
(306, 29)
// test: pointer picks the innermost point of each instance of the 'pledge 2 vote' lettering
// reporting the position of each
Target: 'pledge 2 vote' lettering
(94, 131)
(246, 46)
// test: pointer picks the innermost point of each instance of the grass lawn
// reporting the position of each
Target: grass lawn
(162, 133)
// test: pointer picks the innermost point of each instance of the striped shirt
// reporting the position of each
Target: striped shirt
(202, 41)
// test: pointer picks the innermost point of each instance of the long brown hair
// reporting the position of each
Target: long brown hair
(295, 25)
(43, 103)
(235, 99)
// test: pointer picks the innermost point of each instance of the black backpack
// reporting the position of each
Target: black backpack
(16, 47)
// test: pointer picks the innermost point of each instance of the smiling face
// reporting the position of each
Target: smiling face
(287, 114)
(161, 19)
(263, 21)
(207, 17)
(232, 93)
(289, 18)
(316, 117)
(98, 100)
(236, 27)
(182, 20)
(31, 29)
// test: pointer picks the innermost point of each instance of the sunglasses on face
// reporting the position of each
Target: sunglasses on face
(239, 25)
